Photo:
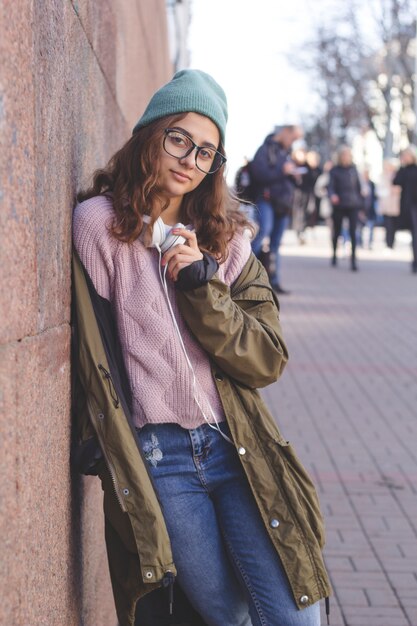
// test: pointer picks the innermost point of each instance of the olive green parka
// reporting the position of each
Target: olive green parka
(239, 329)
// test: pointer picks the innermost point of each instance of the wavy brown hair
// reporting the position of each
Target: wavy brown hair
(131, 180)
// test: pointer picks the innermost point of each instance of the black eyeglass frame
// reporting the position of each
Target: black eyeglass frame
(194, 146)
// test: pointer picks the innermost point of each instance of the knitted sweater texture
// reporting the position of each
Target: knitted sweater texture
(127, 275)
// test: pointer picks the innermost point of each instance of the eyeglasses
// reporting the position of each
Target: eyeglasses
(179, 145)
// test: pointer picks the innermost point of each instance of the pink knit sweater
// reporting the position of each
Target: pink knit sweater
(127, 275)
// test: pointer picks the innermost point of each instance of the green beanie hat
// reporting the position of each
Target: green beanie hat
(188, 91)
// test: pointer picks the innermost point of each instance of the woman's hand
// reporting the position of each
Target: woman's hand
(183, 254)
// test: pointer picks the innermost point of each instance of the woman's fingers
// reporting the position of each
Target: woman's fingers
(176, 270)
(189, 236)
(194, 254)
(180, 260)
(181, 255)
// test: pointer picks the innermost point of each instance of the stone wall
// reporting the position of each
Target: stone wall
(74, 78)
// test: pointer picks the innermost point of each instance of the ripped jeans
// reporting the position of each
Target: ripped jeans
(225, 559)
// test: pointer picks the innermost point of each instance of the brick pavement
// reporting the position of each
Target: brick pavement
(348, 401)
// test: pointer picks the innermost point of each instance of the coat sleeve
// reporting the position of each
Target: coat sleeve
(399, 178)
(359, 186)
(331, 187)
(239, 327)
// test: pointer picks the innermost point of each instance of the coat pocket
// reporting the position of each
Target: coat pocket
(301, 488)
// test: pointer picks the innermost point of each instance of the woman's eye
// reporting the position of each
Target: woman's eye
(206, 154)
(178, 140)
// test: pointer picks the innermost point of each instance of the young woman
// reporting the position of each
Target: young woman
(176, 328)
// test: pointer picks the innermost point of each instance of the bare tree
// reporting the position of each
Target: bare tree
(364, 79)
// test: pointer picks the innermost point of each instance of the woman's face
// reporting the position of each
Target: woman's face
(180, 176)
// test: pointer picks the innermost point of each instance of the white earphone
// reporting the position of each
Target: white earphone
(163, 241)
(160, 239)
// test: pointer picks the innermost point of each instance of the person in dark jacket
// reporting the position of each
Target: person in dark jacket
(306, 204)
(406, 178)
(244, 187)
(369, 205)
(345, 194)
(273, 174)
(301, 193)
(199, 484)
(313, 173)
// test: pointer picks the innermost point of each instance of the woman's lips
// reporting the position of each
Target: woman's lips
(180, 176)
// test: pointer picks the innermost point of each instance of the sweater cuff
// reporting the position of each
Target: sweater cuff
(197, 274)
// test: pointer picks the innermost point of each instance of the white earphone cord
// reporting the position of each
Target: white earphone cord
(194, 380)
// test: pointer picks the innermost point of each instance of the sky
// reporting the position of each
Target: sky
(246, 47)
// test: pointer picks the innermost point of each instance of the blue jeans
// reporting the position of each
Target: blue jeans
(225, 559)
(272, 226)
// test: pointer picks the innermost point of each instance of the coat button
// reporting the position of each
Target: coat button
(241, 450)
(126, 492)
(303, 599)
(100, 416)
(218, 376)
(274, 523)
(148, 575)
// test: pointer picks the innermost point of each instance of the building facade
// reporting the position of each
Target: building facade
(75, 75)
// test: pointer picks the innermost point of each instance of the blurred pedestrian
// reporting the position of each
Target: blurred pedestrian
(389, 199)
(306, 203)
(321, 193)
(244, 188)
(346, 198)
(369, 205)
(406, 178)
(310, 201)
(273, 171)
(177, 327)
(300, 201)
(309, 181)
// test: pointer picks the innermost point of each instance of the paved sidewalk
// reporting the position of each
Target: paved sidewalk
(348, 401)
